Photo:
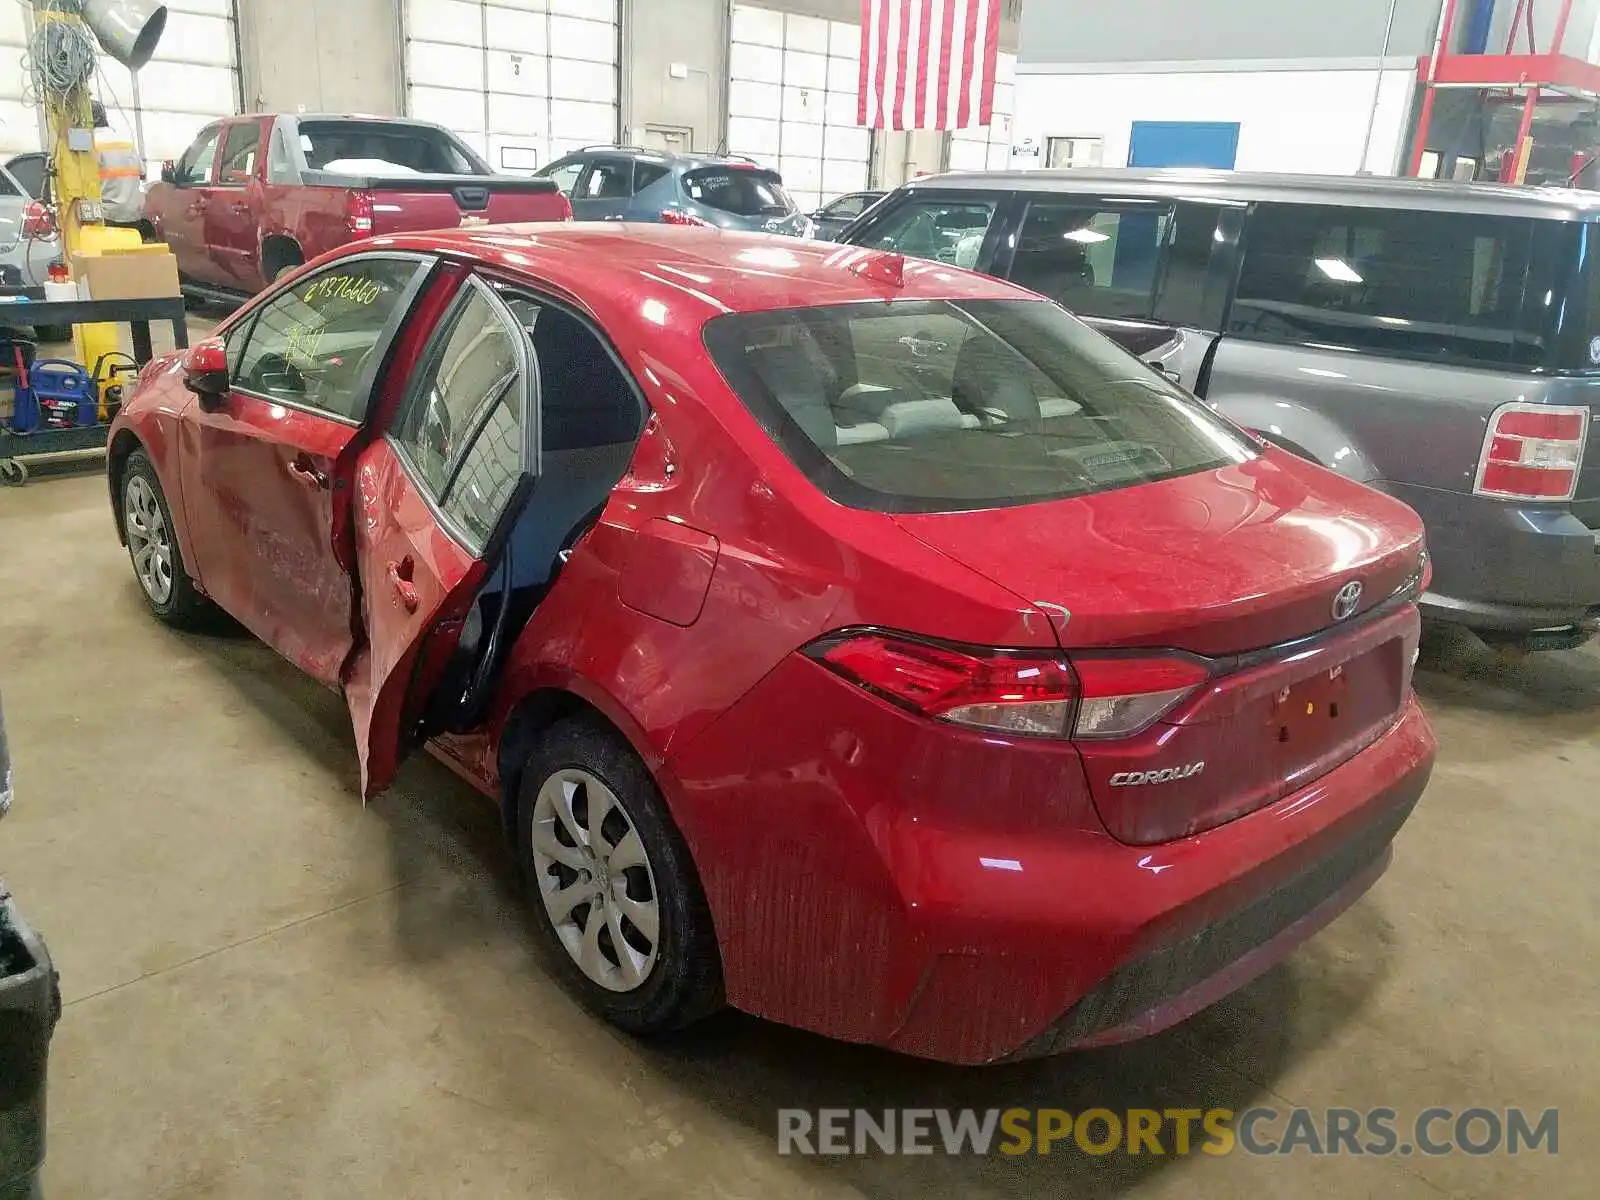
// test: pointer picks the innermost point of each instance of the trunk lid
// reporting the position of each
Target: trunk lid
(12, 211)
(1215, 562)
(1240, 567)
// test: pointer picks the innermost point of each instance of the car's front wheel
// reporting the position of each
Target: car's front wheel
(153, 546)
(611, 883)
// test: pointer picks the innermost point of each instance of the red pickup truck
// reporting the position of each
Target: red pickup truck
(257, 195)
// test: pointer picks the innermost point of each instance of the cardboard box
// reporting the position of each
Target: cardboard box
(134, 273)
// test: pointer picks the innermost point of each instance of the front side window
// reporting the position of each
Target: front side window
(929, 406)
(1101, 262)
(1434, 286)
(846, 207)
(944, 230)
(566, 175)
(194, 167)
(239, 153)
(310, 346)
(461, 426)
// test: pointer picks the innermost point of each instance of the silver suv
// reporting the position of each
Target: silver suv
(1439, 342)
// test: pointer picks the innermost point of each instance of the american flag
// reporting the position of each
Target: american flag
(928, 64)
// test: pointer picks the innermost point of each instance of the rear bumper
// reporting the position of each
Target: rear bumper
(879, 878)
(1507, 568)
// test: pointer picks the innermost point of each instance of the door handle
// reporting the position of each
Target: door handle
(400, 577)
(305, 472)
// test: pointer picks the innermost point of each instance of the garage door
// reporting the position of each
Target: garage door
(193, 79)
(792, 90)
(990, 149)
(521, 81)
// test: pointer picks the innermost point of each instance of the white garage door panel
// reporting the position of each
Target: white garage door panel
(792, 101)
(990, 149)
(192, 80)
(520, 80)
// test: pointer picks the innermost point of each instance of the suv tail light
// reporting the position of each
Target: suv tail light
(1532, 452)
(38, 223)
(358, 213)
(676, 216)
(1024, 693)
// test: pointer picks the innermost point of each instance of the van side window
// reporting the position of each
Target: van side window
(948, 231)
(1101, 263)
(1192, 292)
(1434, 286)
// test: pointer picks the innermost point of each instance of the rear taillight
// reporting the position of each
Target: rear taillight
(566, 207)
(1533, 452)
(38, 223)
(676, 216)
(1015, 692)
(1125, 694)
(358, 213)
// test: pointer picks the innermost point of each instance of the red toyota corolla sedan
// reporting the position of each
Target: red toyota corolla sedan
(856, 641)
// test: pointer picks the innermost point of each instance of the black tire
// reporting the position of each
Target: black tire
(684, 983)
(183, 607)
(53, 333)
(281, 261)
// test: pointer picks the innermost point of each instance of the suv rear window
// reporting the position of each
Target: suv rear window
(928, 406)
(1434, 286)
(743, 191)
(371, 147)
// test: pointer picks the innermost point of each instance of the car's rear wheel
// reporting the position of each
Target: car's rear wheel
(153, 547)
(611, 884)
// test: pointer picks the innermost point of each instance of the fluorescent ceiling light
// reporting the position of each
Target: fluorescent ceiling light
(1338, 269)
(1087, 236)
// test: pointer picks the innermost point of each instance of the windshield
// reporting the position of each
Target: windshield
(373, 148)
(743, 191)
(929, 406)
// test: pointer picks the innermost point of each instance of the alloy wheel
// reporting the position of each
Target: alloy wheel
(595, 879)
(149, 542)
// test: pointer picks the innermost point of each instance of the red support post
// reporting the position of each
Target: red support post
(1561, 26)
(1511, 32)
(1519, 170)
(1447, 25)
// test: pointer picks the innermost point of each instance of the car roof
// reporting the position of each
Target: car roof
(1365, 191)
(696, 271)
(690, 159)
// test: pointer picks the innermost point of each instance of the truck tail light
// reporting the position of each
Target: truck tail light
(38, 223)
(1532, 452)
(1020, 693)
(358, 213)
(566, 207)
(676, 216)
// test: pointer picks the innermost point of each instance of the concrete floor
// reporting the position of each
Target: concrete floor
(271, 991)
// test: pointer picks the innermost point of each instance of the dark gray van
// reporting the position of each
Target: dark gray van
(1438, 341)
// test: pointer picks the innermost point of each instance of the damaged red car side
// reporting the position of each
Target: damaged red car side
(863, 643)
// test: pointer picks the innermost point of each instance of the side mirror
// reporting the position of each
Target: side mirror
(169, 171)
(205, 372)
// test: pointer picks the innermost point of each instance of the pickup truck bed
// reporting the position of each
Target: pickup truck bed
(257, 195)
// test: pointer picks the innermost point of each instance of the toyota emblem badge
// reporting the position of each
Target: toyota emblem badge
(1346, 599)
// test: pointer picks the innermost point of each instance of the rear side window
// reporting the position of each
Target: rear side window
(1434, 286)
(739, 190)
(373, 147)
(461, 428)
(928, 406)
(647, 173)
(1101, 262)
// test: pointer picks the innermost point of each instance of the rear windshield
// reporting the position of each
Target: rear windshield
(930, 406)
(370, 148)
(739, 190)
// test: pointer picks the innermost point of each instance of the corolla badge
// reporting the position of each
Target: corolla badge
(1166, 775)
(1346, 600)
